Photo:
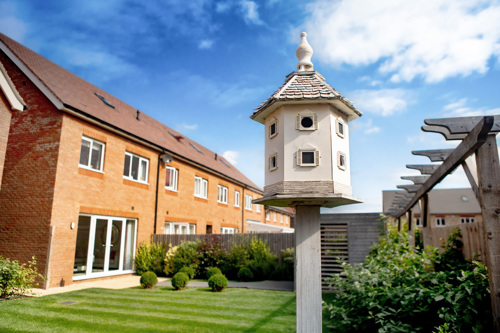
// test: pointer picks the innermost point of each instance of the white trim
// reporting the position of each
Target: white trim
(248, 202)
(275, 123)
(300, 157)
(140, 168)
(237, 200)
(340, 122)
(10, 92)
(222, 192)
(259, 226)
(172, 187)
(203, 187)
(339, 157)
(101, 160)
(271, 167)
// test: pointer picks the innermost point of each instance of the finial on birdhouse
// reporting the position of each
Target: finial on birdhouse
(304, 53)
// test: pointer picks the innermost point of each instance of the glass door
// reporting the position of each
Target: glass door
(100, 245)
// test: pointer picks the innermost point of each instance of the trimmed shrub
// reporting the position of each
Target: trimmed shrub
(245, 274)
(210, 254)
(148, 280)
(150, 258)
(212, 271)
(180, 281)
(16, 279)
(217, 282)
(186, 255)
(189, 271)
(169, 260)
(262, 270)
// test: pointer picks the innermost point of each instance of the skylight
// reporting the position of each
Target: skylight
(177, 137)
(225, 163)
(105, 101)
(197, 149)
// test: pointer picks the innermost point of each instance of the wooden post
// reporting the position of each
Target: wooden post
(488, 171)
(308, 269)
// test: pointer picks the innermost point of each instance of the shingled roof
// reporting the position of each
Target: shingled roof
(73, 94)
(306, 87)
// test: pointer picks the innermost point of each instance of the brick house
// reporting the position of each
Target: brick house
(88, 177)
(277, 220)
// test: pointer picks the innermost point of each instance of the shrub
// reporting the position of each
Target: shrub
(16, 279)
(169, 260)
(210, 254)
(237, 258)
(285, 270)
(148, 280)
(245, 274)
(150, 258)
(189, 271)
(212, 271)
(262, 270)
(217, 282)
(180, 280)
(186, 256)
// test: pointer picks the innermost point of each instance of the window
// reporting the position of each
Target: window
(341, 160)
(307, 157)
(307, 122)
(281, 218)
(467, 220)
(273, 128)
(418, 222)
(200, 187)
(180, 228)
(273, 162)
(440, 221)
(222, 195)
(225, 230)
(248, 202)
(268, 215)
(275, 217)
(171, 179)
(91, 154)
(257, 208)
(286, 220)
(135, 168)
(196, 148)
(236, 198)
(340, 127)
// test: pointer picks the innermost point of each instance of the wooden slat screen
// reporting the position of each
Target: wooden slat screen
(334, 247)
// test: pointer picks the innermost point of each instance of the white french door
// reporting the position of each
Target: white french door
(104, 246)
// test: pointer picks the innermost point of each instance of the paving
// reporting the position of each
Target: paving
(133, 281)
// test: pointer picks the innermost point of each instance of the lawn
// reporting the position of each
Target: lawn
(157, 310)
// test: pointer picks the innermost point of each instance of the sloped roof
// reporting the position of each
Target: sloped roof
(78, 95)
(305, 86)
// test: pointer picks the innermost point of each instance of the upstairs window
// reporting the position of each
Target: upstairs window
(268, 216)
(467, 220)
(200, 187)
(307, 157)
(171, 179)
(307, 122)
(136, 168)
(248, 202)
(257, 208)
(274, 219)
(273, 128)
(340, 127)
(236, 198)
(222, 194)
(418, 222)
(91, 154)
(440, 221)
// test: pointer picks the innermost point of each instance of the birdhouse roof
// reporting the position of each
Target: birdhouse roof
(305, 87)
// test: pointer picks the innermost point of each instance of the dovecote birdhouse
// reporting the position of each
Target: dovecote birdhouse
(306, 139)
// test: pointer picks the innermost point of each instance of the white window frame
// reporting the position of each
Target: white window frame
(257, 208)
(270, 161)
(339, 160)
(174, 174)
(228, 231)
(268, 216)
(142, 160)
(275, 123)
(275, 218)
(236, 198)
(222, 192)
(340, 124)
(440, 221)
(286, 219)
(92, 142)
(300, 159)
(467, 220)
(170, 228)
(200, 187)
(311, 115)
(248, 202)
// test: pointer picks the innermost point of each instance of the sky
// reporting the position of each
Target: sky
(203, 66)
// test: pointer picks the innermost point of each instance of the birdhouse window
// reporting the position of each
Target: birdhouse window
(273, 128)
(273, 162)
(307, 122)
(307, 157)
(340, 127)
(342, 160)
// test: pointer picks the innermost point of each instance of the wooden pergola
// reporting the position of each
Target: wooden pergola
(478, 138)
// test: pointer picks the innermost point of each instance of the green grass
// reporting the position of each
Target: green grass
(154, 310)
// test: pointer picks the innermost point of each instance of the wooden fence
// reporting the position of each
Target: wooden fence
(472, 237)
(276, 242)
(334, 249)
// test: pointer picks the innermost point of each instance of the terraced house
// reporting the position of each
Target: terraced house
(87, 177)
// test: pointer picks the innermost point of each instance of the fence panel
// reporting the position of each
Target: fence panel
(334, 247)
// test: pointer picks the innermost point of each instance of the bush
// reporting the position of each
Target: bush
(150, 258)
(186, 256)
(180, 281)
(148, 280)
(399, 289)
(217, 282)
(262, 270)
(189, 272)
(210, 254)
(212, 271)
(238, 258)
(245, 274)
(285, 270)
(16, 279)
(169, 260)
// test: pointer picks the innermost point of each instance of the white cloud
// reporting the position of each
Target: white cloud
(366, 126)
(383, 102)
(250, 12)
(10, 25)
(460, 109)
(231, 156)
(222, 7)
(432, 39)
(187, 127)
(206, 44)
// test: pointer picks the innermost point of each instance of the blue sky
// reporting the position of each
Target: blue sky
(202, 66)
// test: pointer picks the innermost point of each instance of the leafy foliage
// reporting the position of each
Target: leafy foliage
(180, 281)
(217, 282)
(150, 258)
(148, 280)
(212, 271)
(186, 256)
(400, 290)
(16, 279)
(169, 260)
(210, 254)
(189, 271)
(245, 274)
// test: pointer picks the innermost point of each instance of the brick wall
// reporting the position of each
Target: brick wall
(5, 115)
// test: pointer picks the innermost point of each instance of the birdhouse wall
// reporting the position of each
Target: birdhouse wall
(274, 147)
(341, 174)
